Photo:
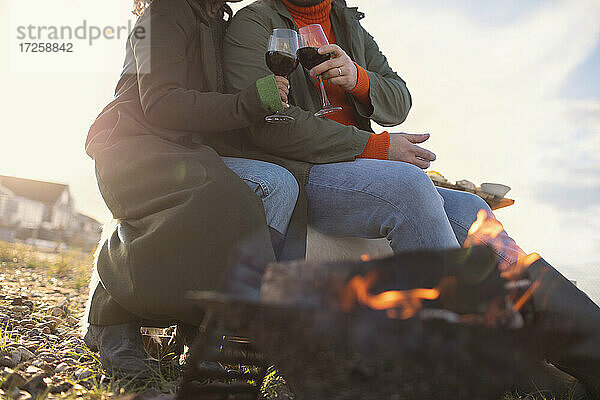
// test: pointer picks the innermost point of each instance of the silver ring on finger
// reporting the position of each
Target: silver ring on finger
(340, 73)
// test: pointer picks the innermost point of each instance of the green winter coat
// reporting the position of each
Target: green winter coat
(183, 215)
(309, 139)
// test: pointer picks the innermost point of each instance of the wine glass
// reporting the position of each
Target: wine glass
(282, 61)
(311, 38)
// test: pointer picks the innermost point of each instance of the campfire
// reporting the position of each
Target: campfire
(430, 324)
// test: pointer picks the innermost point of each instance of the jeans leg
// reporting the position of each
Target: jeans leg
(376, 198)
(275, 185)
(461, 209)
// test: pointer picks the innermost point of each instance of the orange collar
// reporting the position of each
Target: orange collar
(309, 15)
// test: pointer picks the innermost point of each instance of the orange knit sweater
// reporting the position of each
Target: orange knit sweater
(377, 145)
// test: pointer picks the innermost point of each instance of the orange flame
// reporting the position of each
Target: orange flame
(365, 257)
(517, 269)
(402, 304)
(485, 228)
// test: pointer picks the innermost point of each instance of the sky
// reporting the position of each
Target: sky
(509, 90)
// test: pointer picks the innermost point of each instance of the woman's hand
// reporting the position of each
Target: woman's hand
(340, 70)
(284, 89)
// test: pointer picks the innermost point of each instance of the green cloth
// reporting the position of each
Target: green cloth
(311, 140)
(270, 99)
(183, 216)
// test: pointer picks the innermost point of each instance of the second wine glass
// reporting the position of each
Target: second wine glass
(282, 60)
(311, 38)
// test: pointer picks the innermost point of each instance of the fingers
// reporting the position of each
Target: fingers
(342, 81)
(283, 88)
(283, 93)
(347, 67)
(339, 58)
(424, 154)
(419, 162)
(326, 66)
(334, 49)
(282, 80)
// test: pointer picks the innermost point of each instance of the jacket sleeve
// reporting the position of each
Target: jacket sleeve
(390, 98)
(159, 46)
(307, 138)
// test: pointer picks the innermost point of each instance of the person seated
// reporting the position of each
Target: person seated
(369, 185)
(184, 213)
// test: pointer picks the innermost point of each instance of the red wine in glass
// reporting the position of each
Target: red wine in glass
(282, 60)
(311, 38)
(309, 57)
(280, 63)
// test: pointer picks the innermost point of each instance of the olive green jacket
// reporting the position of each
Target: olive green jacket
(184, 217)
(309, 139)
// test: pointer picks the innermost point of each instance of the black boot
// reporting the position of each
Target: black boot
(278, 240)
(559, 306)
(121, 350)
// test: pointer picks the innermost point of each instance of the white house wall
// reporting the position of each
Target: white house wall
(29, 213)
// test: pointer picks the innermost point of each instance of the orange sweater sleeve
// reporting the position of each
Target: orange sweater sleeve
(363, 86)
(378, 147)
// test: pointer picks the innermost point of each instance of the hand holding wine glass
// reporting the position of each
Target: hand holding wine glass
(312, 37)
(284, 88)
(282, 61)
(339, 70)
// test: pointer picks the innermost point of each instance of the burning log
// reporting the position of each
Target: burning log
(422, 325)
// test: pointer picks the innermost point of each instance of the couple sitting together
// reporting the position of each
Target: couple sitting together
(198, 180)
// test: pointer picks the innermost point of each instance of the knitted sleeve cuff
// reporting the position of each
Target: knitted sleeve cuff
(363, 86)
(269, 93)
(378, 147)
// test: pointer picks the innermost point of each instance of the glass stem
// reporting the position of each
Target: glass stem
(324, 97)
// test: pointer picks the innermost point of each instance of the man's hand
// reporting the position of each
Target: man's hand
(403, 148)
(340, 70)
(284, 88)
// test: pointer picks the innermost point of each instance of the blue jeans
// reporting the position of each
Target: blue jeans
(377, 198)
(275, 185)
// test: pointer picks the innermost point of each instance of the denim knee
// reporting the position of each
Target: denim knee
(474, 203)
(277, 182)
(414, 186)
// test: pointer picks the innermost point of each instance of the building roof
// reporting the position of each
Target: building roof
(43, 192)
(88, 218)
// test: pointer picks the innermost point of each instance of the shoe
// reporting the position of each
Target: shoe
(560, 307)
(121, 350)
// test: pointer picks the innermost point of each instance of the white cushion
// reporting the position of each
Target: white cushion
(327, 248)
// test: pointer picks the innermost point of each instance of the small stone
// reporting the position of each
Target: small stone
(62, 367)
(47, 356)
(72, 321)
(32, 370)
(82, 374)
(28, 303)
(22, 395)
(48, 369)
(52, 324)
(6, 361)
(58, 312)
(15, 356)
(64, 304)
(17, 302)
(26, 355)
(27, 323)
(20, 309)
